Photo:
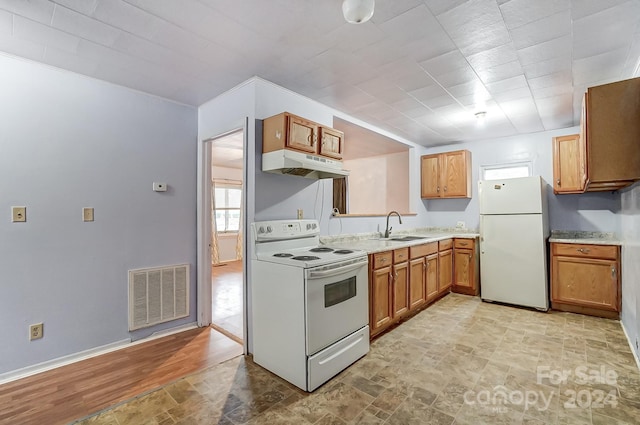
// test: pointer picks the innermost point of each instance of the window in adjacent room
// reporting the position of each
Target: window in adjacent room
(505, 171)
(227, 206)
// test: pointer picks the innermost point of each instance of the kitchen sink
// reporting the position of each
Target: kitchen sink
(407, 238)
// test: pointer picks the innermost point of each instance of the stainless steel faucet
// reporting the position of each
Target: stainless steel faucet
(387, 231)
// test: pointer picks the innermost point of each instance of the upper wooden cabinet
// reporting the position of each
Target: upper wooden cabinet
(606, 154)
(446, 175)
(288, 131)
(569, 164)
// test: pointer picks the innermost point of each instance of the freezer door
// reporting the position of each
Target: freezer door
(512, 196)
(513, 260)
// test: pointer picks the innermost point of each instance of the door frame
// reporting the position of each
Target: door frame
(203, 290)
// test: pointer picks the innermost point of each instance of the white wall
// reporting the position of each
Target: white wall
(68, 142)
(588, 211)
(630, 316)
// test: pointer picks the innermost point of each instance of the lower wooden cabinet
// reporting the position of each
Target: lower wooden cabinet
(465, 267)
(445, 266)
(586, 279)
(400, 281)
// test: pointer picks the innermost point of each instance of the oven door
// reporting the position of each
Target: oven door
(337, 302)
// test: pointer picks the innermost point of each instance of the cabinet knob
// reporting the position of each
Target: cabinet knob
(469, 256)
(445, 188)
(613, 272)
(584, 250)
(438, 189)
(558, 182)
(395, 276)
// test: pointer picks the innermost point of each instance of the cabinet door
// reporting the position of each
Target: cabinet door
(331, 142)
(431, 278)
(417, 274)
(455, 181)
(302, 134)
(429, 175)
(463, 268)
(400, 289)
(585, 282)
(568, 164)
(381, 312)
(445, 271)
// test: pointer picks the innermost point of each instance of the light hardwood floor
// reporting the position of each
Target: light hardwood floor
(71, 392)
(226, 304)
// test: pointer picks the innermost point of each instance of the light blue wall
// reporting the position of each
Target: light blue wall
(588, 211)
(68, 142)
(630, 316)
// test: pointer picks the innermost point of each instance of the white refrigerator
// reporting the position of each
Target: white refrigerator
(513, 241)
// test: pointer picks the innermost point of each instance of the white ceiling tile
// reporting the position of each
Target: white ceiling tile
(434, 45)
(413, 80)
(385, 10)
(520, 12)
(37, 10)
(440, 101)
(519, 107)
(23, 48)
(457, 76)
(440, 6)
(519, 93)
(505, 85)
(551, 91)
(493, 57)
(500, 72)
(582, 8)
(70, 61)
(426, 93)
(6, 23)
(76, 23)
(527, 123)
(549, 80)
(474, 87)
(615, 27)
(352, 38)
(554, 26)
(538, 69)
(381, 53)
(597, 68)
(43, 34)
(552, 49)
(126, 17)
(420, 19)
(85, 7)
(445, 63)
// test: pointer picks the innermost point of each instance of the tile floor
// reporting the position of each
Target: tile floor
(461, 361)
(226, 288)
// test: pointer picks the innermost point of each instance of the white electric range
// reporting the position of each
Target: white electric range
(310, 309)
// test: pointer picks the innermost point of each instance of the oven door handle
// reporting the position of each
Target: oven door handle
(318, 274)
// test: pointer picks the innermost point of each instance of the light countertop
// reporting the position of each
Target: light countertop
(372, 242)
(590, 238)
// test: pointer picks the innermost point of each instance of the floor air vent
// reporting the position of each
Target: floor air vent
(158, 295)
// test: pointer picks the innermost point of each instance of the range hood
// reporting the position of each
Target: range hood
(286, 161)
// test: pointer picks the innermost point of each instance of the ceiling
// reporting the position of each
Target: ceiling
(228, 151)
(419, 69)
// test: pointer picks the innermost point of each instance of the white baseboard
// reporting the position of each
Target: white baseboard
(631, 345)
(86, 354)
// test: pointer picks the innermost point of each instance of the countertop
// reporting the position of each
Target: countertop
(590, 238)
(372, 242)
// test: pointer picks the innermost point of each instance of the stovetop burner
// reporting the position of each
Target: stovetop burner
(306, 258)
(343, 251)
(282, 255)
(321, 249)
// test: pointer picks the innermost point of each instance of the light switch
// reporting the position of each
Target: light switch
(159, 187)
(18, 214)
(87, 214)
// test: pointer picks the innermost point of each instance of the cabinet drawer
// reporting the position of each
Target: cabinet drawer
(400, 255)
(609, 252)
(382, 259)
(463, 243)
(423, 250)
(445, 244)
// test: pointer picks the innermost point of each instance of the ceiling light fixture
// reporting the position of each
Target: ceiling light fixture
(481, 116)
(358, 11)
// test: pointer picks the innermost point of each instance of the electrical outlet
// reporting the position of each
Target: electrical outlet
(300, 214)
(18, 214)
(87, 214)
(637, 348)
(460, 225)
(36, 331)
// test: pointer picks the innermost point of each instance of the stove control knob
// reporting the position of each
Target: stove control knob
(308, 226)
(261, 229)
(269, 229)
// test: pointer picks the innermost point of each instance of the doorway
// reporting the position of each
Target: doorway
(227, 217)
